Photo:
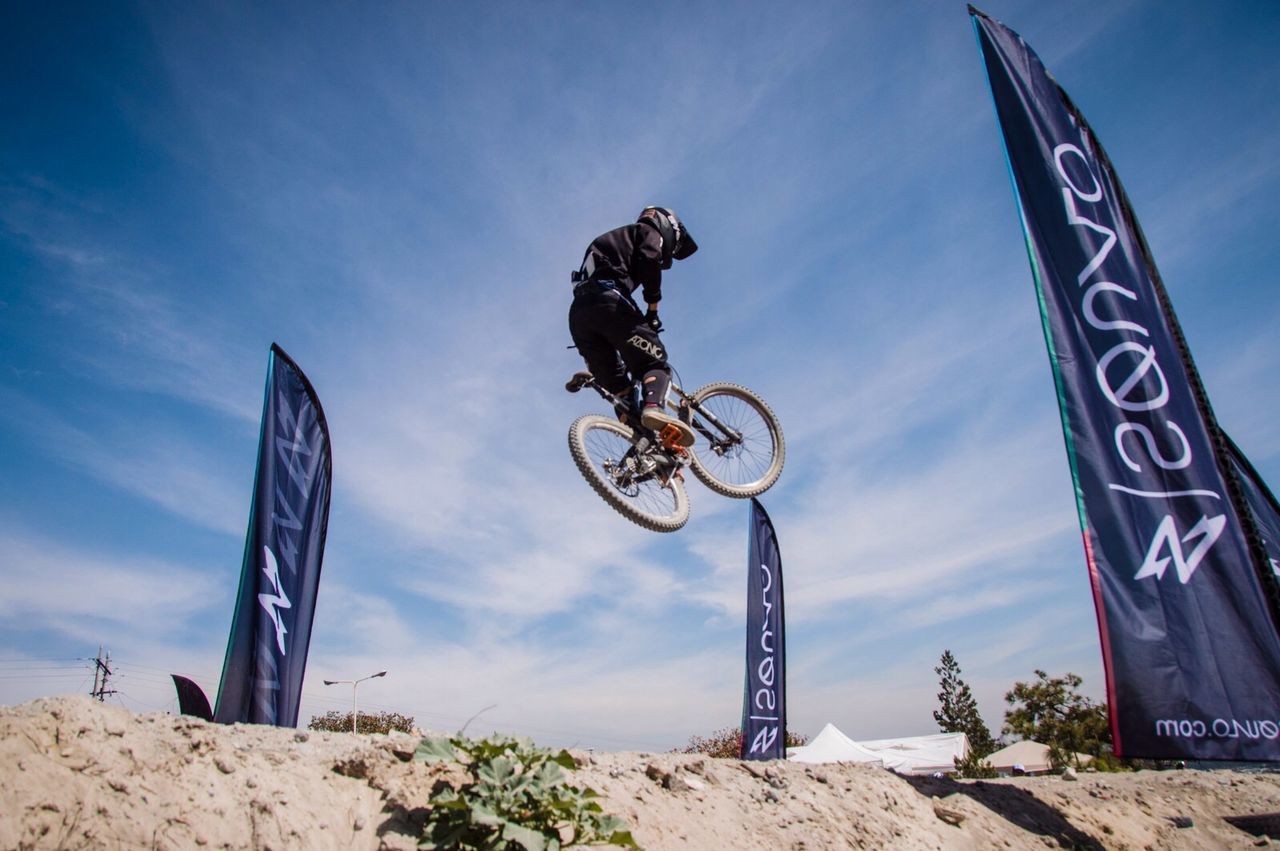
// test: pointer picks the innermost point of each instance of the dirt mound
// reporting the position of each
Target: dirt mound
(77, 774)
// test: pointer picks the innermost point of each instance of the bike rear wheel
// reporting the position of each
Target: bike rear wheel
(741, 451)
(602, 449)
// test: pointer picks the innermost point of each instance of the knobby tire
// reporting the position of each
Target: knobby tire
(654, 507)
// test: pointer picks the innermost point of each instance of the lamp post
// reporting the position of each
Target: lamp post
(354, 683)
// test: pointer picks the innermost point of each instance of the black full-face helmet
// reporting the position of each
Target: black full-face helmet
(676, 242)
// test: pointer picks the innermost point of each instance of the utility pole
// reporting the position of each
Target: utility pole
(101, 670)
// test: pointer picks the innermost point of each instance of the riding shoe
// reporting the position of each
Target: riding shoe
(655, 418)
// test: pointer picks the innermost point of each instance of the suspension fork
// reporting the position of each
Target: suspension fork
(687, 404)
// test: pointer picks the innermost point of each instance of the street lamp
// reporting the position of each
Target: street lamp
(354, 683)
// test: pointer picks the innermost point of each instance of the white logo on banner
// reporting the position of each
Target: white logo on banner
(1166, 537)
(765, 699)
(273, 604)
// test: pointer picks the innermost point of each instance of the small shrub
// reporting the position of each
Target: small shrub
(727, 743)
(1112, 763)
(518, 796)
(382, 722)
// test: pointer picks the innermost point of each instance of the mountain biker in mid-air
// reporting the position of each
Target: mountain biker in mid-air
(619, 342)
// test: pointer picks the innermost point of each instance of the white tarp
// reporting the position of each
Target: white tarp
(831, 745)
(1027, 755)
(921, 754)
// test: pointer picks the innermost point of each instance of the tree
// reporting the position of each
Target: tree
(1052, 712)
(975, 767)
(959, 711)
(727, 743)
(382, 722)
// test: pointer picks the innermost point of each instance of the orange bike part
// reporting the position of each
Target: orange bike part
(671, 435)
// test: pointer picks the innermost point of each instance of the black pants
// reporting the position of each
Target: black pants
(618, 345)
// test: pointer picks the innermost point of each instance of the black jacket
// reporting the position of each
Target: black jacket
(630, 255)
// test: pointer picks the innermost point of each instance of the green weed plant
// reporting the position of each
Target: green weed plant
(517, 796)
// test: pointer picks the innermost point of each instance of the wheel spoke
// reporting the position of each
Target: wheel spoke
(741, 462)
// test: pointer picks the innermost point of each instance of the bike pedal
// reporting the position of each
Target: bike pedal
(671, 437)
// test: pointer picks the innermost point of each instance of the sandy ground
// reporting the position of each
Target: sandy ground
(77, 774)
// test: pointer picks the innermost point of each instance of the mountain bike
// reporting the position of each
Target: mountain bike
(739, 451)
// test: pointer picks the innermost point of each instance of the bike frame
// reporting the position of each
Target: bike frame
(638, 469)
(719, 442)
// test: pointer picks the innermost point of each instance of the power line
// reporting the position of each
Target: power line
(20, 660)
(122, 696)
(141, 676)
(162, 673)
(105, 672)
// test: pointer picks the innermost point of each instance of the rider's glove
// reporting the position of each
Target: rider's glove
(654, 322)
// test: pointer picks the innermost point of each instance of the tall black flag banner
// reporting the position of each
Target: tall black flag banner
(271, 629)
(1181, 580)
(1262, 506)
(764, 702)
(191, 699)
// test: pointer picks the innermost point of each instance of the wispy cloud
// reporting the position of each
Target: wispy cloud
(118, 304)
(1234, 385)
(150, 461)
(140, 593)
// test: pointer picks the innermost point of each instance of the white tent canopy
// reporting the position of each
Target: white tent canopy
(910, 755)
(831, 745)
(921, 754)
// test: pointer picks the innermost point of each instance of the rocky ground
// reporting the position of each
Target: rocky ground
(77, 774)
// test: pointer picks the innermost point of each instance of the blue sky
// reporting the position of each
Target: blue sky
(395, 193)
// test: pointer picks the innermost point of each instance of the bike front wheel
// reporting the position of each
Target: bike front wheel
(603, 451)
(740, 451)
